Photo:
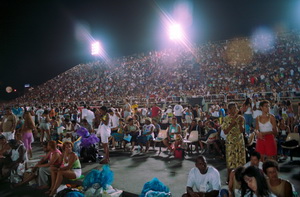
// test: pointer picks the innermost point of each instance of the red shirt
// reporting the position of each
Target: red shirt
(155, 111)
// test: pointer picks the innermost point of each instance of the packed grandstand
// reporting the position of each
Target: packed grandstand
(229, 67)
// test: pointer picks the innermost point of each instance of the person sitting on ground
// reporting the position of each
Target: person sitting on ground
(34, 172)
(4, 152)
(234, 185)
(254, 160)
(146, 135)
(70, 168)
(254, 183)
(16, 156)
(203, 180)
(278, 186)
(53, 158)
(173, 136)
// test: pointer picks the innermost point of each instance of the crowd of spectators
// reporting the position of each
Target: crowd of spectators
(226, 67)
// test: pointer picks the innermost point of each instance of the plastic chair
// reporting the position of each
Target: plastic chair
(210, 140)
(160, 137)
(193, 139)
(290, 137)
(251, 139)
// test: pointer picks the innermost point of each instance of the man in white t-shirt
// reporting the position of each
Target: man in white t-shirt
(39, 113)
(178, 109)
(90, 116)
(254, 160)
(203, 180)
(84, 112)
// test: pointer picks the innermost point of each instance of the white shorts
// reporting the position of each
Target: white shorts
(77, 172)
(104, 133)
(9, 135)
(45, 126)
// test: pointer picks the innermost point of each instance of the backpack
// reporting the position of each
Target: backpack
(89, 154)
(179, 153)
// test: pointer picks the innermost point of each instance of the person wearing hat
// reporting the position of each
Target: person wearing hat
(147, 134)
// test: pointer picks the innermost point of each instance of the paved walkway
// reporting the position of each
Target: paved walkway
(131, 172)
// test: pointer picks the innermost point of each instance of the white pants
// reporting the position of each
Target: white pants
(9, 135)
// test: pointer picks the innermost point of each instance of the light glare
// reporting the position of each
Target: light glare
(96, 48)
(176, 32)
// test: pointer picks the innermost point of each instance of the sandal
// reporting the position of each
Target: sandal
(104, 161)
(48, 192)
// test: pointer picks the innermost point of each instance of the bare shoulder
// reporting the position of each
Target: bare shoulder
(240, 117)
(272, 117)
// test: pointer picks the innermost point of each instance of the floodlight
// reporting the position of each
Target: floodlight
(96, 48)
(176, 32)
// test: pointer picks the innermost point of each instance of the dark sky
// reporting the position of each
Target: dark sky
(40, 39)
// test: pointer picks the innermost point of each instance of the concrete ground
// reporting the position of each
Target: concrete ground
(131, 172)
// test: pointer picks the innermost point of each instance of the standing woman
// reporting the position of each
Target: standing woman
(27, 136)
(105, 132)
(45, 126)
(233, 127)
(247, 110)
(266, 130)
(290, 113)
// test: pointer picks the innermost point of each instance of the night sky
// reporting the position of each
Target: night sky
(41, 39)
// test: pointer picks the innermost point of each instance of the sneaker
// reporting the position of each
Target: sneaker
(202, 151)
(113, 148)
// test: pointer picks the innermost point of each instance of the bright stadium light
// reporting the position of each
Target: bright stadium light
(175, 32)
(96, 49)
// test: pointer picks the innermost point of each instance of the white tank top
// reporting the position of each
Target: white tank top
(265, 127)
(248, 111)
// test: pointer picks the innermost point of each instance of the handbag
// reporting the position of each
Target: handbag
(179, 153)
(127, 137)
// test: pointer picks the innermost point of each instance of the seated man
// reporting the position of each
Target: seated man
(192, 127)
(147, 135)
(16, 156)
(203, 180)
(254, 160)
(211, 130)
